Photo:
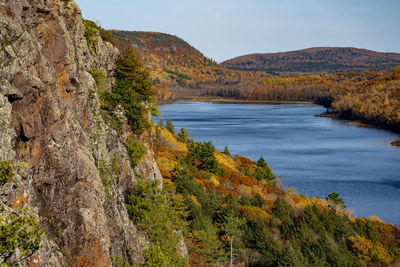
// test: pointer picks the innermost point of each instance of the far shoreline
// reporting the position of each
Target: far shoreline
(232, 101)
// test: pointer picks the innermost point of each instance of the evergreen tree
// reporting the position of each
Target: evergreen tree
(210, 244)
(183, 135)
(226, 151)
(170, 127)
(336, 199)
(232, 227)
(262, 163)
(131, 74)
(161, 124)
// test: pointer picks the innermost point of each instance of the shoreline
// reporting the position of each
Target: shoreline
(232, 101)
(359, 123)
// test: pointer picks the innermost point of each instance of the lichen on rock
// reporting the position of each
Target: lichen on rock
(50, 118)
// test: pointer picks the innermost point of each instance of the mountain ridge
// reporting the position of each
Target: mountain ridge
(315, 60)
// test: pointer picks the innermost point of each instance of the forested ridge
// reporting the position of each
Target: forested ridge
(315, 60)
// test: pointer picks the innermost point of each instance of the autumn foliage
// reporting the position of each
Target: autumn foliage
(280, 226)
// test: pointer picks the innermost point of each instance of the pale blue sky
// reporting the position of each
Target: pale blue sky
(223, 29)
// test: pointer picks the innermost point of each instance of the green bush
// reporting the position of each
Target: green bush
(6, 171)
(136, 150)
(19, 232)
(227, 152)
(92, 29)
(132, 76)
(263, 172)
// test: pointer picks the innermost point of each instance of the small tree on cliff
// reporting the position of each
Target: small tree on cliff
(132, 90)
(132, 78)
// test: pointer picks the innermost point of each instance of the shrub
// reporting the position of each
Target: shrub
(92, 29)
(262, 163)
(264, 174)
(367, 251)
(6, 171)
(226, 151)
(131, 76)
(136, 150)
(132, 90)
(19, 232)
(99, 77)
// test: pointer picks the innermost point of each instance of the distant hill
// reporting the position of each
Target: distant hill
(173, 63)
(170, 49)
(315, 60)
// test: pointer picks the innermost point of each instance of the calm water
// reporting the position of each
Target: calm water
(314, 155)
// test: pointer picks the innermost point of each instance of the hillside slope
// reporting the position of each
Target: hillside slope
(315, 60)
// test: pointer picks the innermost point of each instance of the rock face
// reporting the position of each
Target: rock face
(50, 119)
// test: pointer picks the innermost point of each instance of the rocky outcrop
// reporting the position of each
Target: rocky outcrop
(77, 170)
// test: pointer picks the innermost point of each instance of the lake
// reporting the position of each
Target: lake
(316, 156)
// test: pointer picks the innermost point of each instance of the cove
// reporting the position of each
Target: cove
(314, 155)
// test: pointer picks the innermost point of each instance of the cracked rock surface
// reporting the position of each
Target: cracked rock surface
(50, 119)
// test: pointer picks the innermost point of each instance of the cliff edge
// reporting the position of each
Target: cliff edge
(52, 132)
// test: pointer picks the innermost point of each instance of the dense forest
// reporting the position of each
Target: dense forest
(231, 208)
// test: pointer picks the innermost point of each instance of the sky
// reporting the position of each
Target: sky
(224, 29)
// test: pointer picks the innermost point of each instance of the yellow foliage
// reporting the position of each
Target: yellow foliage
(375, 218)
(195, 201)
(256, 212)
(214, 180)
(171, 142)
(166, 163)
(367, 251)
(225, 160)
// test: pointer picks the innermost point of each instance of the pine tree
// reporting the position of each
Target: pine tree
(226, 151)
(232, 227)
(170, 127)
(262, 163)
(183, 135)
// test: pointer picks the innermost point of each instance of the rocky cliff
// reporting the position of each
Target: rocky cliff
(50, 120)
